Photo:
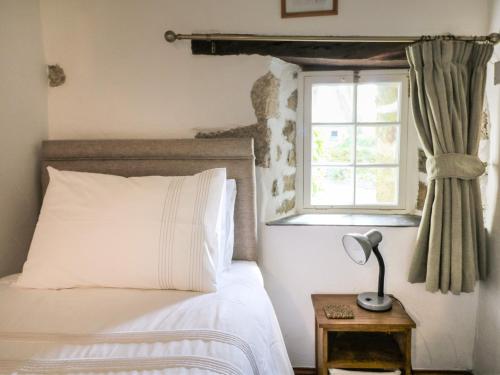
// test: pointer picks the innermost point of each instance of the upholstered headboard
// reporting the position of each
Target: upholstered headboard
(172, 157)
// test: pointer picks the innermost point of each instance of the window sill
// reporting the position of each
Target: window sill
(361, 220)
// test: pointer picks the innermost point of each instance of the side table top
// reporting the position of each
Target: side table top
(396, 318)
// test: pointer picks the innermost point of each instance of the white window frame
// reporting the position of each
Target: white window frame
(408, 156)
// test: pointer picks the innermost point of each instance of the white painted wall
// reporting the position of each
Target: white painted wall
(299, 261)
(125, 81)
(487, 348)
(23, 124)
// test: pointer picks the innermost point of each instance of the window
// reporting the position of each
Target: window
(354, 140)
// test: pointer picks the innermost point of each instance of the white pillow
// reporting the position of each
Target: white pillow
(140, 232)
(230, 201)
(222, 230)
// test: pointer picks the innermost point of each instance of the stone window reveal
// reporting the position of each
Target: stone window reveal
(274, 99)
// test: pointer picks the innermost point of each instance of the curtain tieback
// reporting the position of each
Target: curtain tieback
(463, 166)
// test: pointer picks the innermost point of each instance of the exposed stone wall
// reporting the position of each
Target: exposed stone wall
(265, 97)
(274, 99)
(56, 75)
(484, 152)
(422, 179)
(259, 132)
(279, 178)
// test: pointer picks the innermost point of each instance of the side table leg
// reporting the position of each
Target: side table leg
(324, 357)
(316, 343)
(408, 369)
(319, 350)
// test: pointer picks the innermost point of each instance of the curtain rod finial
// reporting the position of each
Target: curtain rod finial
(170, 36)
(494, 38)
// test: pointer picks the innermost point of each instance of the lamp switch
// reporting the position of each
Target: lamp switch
(497, 73)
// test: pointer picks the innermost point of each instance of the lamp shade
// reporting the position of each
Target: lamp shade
(359, 246)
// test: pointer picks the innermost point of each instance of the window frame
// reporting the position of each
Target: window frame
(408, 182)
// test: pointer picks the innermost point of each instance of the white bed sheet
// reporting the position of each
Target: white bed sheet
(104, 330)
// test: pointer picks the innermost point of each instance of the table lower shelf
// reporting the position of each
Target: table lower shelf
(365, 350)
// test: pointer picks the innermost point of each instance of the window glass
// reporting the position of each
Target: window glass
(332, 103)
(325, 180)
(354, 133)
(378, 102)
(332, 144)
(377, 144)
(376, 186)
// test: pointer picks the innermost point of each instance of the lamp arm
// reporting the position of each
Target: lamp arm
(381, 272)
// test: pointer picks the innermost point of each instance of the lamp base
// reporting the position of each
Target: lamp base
(372, 302)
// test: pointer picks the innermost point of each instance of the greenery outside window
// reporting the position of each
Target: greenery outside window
(354, 141)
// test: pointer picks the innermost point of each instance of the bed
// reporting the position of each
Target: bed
(111, 330)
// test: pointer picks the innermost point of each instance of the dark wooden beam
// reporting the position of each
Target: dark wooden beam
(363, 55)
(363, 50)
(312, 64)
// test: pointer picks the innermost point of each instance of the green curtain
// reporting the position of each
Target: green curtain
(447, 81)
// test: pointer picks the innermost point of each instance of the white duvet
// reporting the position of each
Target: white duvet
(232, 331)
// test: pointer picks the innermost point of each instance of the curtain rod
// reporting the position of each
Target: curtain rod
(171, 37)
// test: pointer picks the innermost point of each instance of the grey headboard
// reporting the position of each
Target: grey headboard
(169, 157)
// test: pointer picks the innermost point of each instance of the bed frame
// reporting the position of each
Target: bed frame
(172, 157)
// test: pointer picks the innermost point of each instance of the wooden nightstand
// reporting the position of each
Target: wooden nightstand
(372, 340)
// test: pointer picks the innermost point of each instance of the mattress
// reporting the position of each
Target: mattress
(106, 330)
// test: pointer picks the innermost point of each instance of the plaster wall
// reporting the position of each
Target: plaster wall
(23, 124)
(487, 348)
(124, 81)
(299, 261)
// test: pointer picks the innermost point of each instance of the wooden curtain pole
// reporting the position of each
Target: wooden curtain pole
(171, 37)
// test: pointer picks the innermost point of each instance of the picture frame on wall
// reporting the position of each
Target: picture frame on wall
(308, 8)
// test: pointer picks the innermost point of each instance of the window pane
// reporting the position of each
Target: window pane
(377, 186)
(332, 103)
(332, 186)
(378, 102)
(332, 144)
(377, 144)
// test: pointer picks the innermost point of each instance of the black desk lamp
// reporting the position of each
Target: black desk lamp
(359, 247)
